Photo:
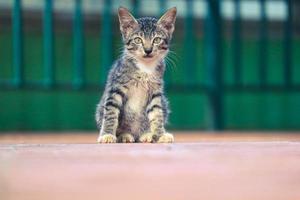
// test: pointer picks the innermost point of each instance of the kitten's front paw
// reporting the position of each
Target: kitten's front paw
(148, 138)
(166, 138)
(107, 138)
(126, 138)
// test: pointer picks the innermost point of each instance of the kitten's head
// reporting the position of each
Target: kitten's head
(147, 39)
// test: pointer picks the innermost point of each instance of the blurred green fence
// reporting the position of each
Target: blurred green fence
(211, 81)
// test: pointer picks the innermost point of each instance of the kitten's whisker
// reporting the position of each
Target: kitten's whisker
(173, 55)
(173, 58)
(170, 63)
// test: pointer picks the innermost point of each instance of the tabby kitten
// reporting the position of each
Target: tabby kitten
(133, 107)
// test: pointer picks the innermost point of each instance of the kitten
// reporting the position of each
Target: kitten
(133, 107)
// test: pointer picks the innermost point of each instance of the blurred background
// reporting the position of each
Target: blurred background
(235, 64)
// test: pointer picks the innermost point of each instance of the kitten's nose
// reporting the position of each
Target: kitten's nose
(148, 50)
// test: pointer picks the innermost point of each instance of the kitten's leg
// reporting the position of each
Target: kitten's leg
(112, 107)
(156, 119)
(126, 138)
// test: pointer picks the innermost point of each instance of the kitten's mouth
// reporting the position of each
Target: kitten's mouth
(148, 56)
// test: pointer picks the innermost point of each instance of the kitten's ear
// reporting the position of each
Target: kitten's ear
(167, 21)
(127, 22)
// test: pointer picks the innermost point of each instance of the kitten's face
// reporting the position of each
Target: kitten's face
(147, 39)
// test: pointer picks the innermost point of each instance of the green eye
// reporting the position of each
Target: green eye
(138, 40)
(157, 40)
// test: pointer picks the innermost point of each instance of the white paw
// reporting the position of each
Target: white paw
(166, 138)
(126, 138)
(148, 137)
(107, 138)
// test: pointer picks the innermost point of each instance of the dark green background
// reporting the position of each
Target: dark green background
(62, 110)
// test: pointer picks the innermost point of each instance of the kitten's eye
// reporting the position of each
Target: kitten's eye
(138, 40)
(157, 40)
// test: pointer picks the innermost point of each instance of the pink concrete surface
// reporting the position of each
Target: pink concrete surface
(224, 169)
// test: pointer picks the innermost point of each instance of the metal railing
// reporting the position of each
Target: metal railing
(214, 86)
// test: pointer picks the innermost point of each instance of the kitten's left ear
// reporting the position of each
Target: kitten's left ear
(167, 21)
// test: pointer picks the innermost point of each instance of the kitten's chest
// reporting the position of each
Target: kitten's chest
(137, 97)
(140, 90)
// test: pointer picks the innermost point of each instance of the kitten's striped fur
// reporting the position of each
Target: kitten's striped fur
(133, 107)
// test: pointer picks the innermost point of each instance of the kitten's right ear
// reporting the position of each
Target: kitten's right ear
(127, 22)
